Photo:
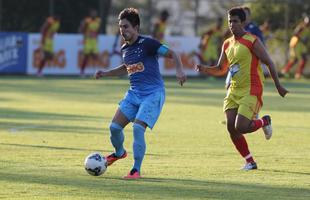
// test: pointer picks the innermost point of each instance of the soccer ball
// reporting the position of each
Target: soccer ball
(95, 164)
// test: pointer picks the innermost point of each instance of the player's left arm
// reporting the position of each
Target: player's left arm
(169, 53)
(260, 51)
(43, 31)
(82, 26)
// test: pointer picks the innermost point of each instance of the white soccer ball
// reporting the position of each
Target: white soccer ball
(95, 164)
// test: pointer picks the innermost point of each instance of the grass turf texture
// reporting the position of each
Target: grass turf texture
(49, 125)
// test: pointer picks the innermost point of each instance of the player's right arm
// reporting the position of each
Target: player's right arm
(43, 31)
(44, 27)
(222, 59)
(82, 26)
(118, 71)
(155, 30)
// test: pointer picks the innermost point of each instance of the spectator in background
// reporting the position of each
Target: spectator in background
(210, 44)
(265, 29)
(253, 28)
(210, 48)
(48, 30)
(298, 49)
(90, 27)
(160, 26)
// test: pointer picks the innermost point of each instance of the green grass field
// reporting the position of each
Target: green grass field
(49, 125)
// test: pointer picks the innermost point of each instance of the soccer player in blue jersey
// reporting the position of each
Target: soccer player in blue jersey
(144, 100)
(252, 27)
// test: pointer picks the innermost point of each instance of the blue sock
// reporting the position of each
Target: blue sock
(138, 145)
(117, 138)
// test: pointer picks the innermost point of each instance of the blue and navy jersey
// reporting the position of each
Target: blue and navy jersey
(254, 29)
(141, 60)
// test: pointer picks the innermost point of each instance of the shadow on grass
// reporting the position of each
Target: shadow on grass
(63, 87)
(158, 188)
(17, 128)
(51, 147)
(287, 172)
(10, 113)
(212, 94)
(46, 117)
(65, 148)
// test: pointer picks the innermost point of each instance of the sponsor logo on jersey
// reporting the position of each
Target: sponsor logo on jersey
(134, 68)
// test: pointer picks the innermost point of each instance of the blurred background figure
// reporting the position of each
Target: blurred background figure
(160, 26)
(266, 30)
(253, 28)
(210, 44)
(117, 44)
(90, 27)
(115, 49)
(298, 49)
(48, 30)
(210, 48)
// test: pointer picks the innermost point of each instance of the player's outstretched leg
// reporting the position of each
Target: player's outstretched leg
(139, 147)
(267, 128)
(117, 140)
(264, 123)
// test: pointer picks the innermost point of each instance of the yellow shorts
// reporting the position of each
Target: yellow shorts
(48, 45)
(298, 51)
(248, 105)
(90, 46)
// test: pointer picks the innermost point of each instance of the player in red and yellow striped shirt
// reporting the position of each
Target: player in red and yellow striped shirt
(244, 52)
(90, 27)
(160, 27)
(48, 30)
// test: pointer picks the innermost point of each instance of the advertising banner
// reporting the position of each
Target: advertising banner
(68, 54)
(185, 47)
(13, 53)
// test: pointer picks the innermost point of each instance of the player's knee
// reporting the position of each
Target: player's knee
(115, 128)
(241, 128)
(231, 128)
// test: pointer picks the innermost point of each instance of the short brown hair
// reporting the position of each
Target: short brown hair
(131, 14)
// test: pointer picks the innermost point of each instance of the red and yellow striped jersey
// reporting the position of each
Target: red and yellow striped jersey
(244, 65)
(92, 27)
(52, 28)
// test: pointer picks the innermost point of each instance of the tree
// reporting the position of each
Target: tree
(275, 11)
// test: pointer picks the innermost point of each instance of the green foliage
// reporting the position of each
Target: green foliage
(275, 11)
